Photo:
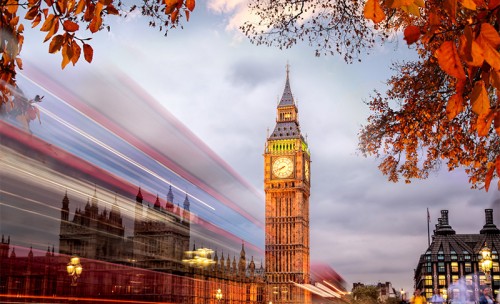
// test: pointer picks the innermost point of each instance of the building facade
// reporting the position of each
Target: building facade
(153, 264)
(287, 189)
(451, 264)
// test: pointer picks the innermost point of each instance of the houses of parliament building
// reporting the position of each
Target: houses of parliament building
(156, 262)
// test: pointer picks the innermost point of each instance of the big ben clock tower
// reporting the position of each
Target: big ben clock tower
(287, 187)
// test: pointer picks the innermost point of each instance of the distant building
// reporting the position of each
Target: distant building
(451, 263)
(385, 290)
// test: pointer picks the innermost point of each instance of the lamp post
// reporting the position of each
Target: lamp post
(402, 294)
(218, 295)
(486, 263)
(74, 269)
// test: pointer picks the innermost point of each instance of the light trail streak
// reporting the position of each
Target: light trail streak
(119, 154)
(114, 125)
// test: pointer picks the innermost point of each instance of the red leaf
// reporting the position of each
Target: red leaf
(412, 34)
(88, 52)
(70, 26)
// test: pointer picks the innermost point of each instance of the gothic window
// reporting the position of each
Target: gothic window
(454, 266)
(442, 280)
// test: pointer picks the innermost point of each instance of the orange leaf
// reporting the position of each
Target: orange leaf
(479, 99)
(174, 15)
(170, 6)
(95, 24)
(489, 177)
(495, 79)
(77, 50)
(12, 6)
(55, 44)
(112, 10)
(47, 24)
(37, 20)
(80, 7)
(411, 33)
(88, 52)
(67, 53)
(490, 35)
(70, 26)
(186, 12)
(449, 61)
(451, 7)
(373, 11)
(190, 4)
(401, 3)
(455, 106)
(470, 4)
(484, 122)
(53, 29)
(31, 14)
(490, 54)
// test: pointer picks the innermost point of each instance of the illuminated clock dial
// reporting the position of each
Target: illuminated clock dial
(283, 167)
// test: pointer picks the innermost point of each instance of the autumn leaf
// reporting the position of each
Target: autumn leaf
(401, 3)
(12, 6)
(80, 7)
(470, 4)
(48, 23)
(495, 79)
(412, 34)
(455, 106)
(449, 61)
(70, 26)
(173, 16)
(490, 35)
(490, 54)
(484, 122)
(67, 53)
(479, 99)
(489, 177)
(190, 4)
(373, 11)
(56, 43)
(469, 50)
(53, 29)
(451, 7)
(88, 52)
(77, 50)
(170, 6)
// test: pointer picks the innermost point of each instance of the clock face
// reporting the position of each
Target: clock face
(283, 167)
(306, 170)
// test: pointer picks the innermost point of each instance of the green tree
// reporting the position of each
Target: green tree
(365, 295)
(441, 107)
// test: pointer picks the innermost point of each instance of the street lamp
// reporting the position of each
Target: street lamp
(200, 258)
(74, 269)
(218, 295)
(486, 263)
(402, 294)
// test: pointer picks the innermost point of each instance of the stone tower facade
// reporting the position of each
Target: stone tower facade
(287, 187)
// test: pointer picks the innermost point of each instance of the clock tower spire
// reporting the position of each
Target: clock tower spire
(287, 188)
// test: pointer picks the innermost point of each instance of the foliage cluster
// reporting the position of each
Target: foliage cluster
(441, 107)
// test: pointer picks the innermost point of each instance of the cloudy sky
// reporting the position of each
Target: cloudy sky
(225, 90)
